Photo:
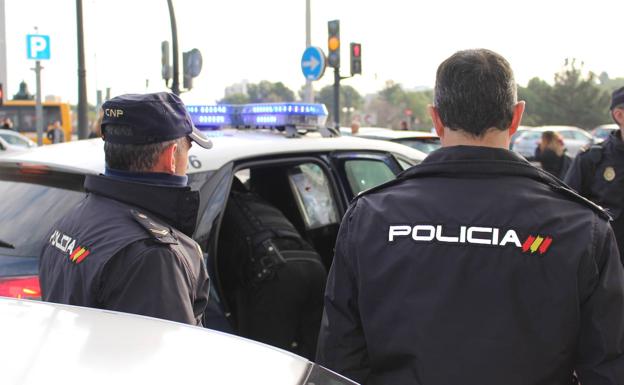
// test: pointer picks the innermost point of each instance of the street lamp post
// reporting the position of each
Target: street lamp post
(82, 77)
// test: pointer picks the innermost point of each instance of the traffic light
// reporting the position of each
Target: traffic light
(192, 65)
(333, 43)
(356, 58)
(166, 68)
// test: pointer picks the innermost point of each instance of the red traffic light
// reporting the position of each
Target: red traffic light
(356, 49)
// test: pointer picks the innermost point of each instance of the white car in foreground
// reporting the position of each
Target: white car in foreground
(44, 343)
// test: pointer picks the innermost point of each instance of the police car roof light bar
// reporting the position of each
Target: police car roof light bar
(291, 118)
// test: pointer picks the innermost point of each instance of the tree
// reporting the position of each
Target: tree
(538, 111)
(349, 97)
(267, 92)
(576, 99)
(234, 99)
(397, 104)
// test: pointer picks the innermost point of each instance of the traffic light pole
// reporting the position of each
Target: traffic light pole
(337, 98)
(175, 85)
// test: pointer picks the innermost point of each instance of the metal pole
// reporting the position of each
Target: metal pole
(3, 54)
(83, 129)
(337, 98)
(309, 93)
(175, 86)
(38, 106)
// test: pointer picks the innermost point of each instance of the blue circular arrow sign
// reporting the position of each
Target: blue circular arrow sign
(313, 63)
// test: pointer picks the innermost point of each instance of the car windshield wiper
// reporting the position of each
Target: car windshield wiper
(6, 245)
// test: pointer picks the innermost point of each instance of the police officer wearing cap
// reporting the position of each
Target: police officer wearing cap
(598, 172)
(127, 245)
(475, 267)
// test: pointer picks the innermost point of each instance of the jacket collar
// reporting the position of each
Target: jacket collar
(473, 153)
(177, 206)
(615, 140)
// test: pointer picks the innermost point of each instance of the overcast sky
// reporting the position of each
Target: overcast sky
(402, 40)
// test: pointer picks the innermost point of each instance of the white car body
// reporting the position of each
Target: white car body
(14, 141)
(228, 145)
(41, 185)
(574, 139)
(44, 343)
(419, 140)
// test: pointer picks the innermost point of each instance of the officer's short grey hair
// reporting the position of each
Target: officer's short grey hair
(134, 157)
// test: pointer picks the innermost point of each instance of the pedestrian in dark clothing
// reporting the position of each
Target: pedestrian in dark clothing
(551, 154)
(598, 172)
(475, 267)
(127, 245)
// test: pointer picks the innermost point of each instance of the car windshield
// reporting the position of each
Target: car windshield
(27, 213)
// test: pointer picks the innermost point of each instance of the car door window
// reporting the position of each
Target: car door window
(311, 189)
(363, 174)
(580, 136)
(15, 140)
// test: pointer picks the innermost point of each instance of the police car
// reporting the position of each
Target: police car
(70, 345)
(282, 151)
(420, 140)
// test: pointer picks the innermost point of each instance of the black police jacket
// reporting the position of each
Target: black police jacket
(598, 174)
(121, 249)
(474, 267)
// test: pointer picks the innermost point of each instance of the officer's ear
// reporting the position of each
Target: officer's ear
(437, 121)
(618, 115)
(166, 160)
(518, 110)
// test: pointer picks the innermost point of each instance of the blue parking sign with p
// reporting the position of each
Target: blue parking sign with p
(38, 47)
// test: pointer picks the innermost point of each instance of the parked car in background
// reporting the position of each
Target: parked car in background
(601, 133)
(45, 343)
(519, 131)
(14, 141)
(574, 139)
(420, 140)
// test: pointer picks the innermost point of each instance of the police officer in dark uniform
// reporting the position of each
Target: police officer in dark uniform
(127, 245)
(598, 172)
(475, 267)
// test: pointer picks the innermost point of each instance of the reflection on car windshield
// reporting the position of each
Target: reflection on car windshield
(424, 145)
(27, 213)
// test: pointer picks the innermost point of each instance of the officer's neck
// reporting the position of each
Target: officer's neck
(492, 138)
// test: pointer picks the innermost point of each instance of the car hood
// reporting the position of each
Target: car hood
(51, 343)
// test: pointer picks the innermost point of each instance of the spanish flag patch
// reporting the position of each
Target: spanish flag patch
(79, 254)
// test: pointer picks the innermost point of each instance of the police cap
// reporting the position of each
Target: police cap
(617, 98)
(151, 118)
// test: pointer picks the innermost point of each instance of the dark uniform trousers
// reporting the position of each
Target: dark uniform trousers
(598, 175)
(474, 267)
(117, 250)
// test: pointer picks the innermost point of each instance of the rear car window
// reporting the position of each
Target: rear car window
(27, 213)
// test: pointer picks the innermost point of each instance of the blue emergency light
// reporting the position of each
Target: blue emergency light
(281, 116)
(214, 116)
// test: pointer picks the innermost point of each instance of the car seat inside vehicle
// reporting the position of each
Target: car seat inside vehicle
(272, 279)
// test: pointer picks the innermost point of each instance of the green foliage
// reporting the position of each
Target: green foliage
(267, 92)
(263, 92)
(609, 84)
(234, 99)
(575, 99)
(392, 102)
(349, 97)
